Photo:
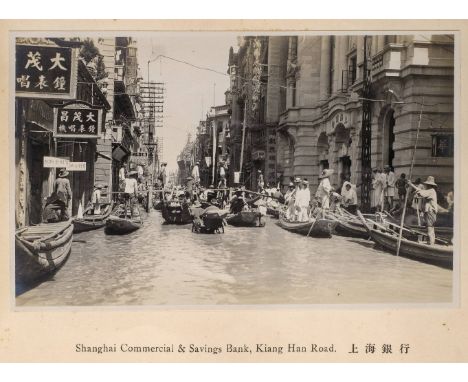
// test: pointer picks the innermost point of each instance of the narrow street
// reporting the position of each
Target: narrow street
(169, 265)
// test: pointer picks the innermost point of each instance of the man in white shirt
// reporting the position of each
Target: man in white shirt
(324, 188)
(349, 197)
(390, 186)
(429, 196)
(302, 202)
(96, 199)
(131, 189)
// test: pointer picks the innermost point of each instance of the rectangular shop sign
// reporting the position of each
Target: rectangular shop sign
(54, 162)
(76, 166)
(77, 122)
(49, 72)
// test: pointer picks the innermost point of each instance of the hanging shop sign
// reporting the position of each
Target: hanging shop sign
(77, 121)
(76, 166)
(54, 162)
(46, 72)
(57, 162)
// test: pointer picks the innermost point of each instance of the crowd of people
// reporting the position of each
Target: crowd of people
(388, 194)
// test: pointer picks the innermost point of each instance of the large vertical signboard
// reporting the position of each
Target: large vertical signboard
(46, 72)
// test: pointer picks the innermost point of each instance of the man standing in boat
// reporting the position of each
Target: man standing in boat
(63, 192)
(303, 201)
(287, 199)
(96, 199)
(162, 174)
(324, 189)
(131, 190)
(389, 186)
(260, 182)
(429, 197)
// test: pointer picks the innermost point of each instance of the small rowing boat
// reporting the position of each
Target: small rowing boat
(175, 212)
(41, 250)
(348, 225)
(388, 239)
(313, 227)
(246, 219)
(89, 222)
(122, 222)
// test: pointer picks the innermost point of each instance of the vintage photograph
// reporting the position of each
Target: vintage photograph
(233, 169)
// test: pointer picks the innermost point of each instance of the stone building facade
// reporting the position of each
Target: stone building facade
(320, 126)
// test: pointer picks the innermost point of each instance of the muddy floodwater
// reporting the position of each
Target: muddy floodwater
(169, 265)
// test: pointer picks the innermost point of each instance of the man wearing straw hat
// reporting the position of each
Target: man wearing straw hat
(429, 196)
(63, 192)
(324, 188)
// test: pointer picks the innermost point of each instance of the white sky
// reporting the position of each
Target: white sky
(189, 91)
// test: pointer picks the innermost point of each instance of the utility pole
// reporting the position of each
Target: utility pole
(366, 133)
(244, 125)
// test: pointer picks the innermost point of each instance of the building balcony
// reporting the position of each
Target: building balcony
(388, 62)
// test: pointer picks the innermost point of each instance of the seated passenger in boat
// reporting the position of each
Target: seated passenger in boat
(237, 202)
(349, 196)
(335, 201)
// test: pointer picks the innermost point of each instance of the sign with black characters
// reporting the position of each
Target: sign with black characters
(45, 72)
(77, 122)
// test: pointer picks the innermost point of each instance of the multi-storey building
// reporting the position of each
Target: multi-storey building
(52, 131)
(257, 71)
(411, 80)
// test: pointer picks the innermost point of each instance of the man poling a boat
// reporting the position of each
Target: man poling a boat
(324, 189)
(429, 199)
(96, 199)
(131, 190)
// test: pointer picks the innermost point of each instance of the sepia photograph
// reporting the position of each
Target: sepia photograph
(191, 169)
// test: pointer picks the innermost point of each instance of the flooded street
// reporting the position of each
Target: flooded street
(169, 265)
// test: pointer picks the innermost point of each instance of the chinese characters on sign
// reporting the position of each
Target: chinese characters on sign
(74, 122)
(45, 72)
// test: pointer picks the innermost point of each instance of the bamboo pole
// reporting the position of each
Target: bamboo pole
(409, 177)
